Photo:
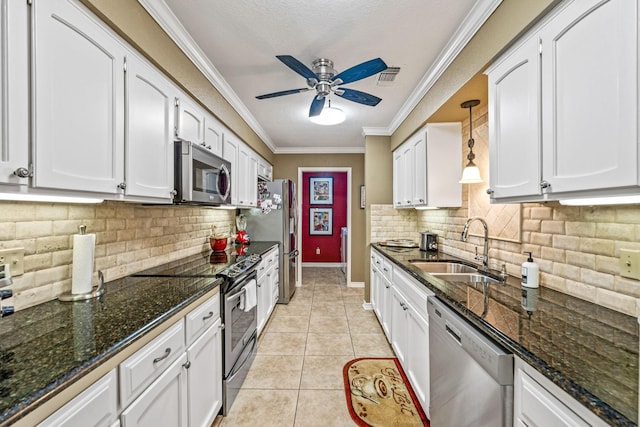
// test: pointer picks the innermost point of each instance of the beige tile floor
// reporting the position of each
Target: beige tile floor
(296, 378)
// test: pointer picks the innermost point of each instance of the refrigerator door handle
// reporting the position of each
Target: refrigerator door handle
(293, 254)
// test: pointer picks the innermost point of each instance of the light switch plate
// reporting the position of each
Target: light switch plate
(630, 263)
(14, 258)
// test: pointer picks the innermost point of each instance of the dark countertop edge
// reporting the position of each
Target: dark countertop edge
(50, 390)
(599, 408)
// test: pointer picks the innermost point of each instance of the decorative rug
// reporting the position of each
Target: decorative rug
(379, 394)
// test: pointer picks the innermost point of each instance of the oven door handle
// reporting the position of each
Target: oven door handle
(232, 296)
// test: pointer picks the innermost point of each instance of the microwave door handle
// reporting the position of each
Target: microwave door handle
(226, 172)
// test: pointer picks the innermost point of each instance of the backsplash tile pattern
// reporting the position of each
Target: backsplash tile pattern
(129, 238)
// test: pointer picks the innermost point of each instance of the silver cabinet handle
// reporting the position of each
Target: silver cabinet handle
(544, 184)
(385, 269)
(167, 352)
(386, 286)
(187, 364)
(122, 185)
(208, 316)
(489, 191)
(22, 173)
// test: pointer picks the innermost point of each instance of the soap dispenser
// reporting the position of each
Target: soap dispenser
(530, 273)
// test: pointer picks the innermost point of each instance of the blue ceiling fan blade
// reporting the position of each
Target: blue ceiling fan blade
(297, 66)
(357, 96)
(282, 93)
(361, 71)
(316, 106)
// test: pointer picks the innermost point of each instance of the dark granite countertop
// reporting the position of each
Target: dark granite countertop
(589, 351)
(46, 348)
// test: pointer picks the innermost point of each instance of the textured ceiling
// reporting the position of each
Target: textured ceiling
(241, 38)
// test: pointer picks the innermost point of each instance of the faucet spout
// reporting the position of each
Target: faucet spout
(465, 231)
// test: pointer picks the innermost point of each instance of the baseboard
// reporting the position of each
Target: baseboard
(322, 264)
(356, 285)
(367, 306)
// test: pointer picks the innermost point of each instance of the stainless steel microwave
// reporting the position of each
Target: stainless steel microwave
(200, 176)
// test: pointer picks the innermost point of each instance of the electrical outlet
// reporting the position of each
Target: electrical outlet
(14, 258)
(630, 263)
(318, 250)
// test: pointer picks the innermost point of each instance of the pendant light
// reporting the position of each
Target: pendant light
(471, 173)
(329, 116)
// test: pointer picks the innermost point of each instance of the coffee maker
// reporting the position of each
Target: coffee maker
(428, 241)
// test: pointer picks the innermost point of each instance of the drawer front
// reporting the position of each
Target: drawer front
(95, 406)
(387, 269)
(415, 293)
(144, 366)
(201, 318)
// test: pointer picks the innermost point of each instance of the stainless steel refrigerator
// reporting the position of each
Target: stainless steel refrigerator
(277, 220)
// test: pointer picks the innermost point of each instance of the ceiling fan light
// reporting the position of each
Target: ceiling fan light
(471, 174)
(329, 116)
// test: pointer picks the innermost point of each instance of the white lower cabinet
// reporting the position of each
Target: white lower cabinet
(267, 287)
(164, 403)
(204, 377)
(400, 303)
(540, 403)
(96, 406)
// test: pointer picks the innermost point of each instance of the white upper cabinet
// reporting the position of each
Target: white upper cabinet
(428, 166)
(244, 171)
(78, 100)
(230, 152)
(196, 125)
(265, 170)
(514, 123)
(563, 105)
(190, 121)
(14, 91)
(149, 131)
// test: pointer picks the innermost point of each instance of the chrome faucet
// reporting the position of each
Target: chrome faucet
(485, 255)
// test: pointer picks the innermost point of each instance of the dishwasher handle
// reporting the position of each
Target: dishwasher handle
(453, 332)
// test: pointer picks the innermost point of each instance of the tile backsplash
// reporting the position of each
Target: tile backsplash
(129, 238)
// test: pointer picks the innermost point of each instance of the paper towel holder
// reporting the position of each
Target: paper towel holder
(68, 296)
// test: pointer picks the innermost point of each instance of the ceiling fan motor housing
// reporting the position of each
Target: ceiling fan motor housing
(324, 69)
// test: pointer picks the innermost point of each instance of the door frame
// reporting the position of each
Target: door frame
(301, 170)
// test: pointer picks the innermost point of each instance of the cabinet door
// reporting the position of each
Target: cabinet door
(397, 177)
(385, 301)
(418, 161)
(149, 131)
(163, 403)
(230, 152)
(247, 176)
(407, 183)
(190, 121)
(14, 90)
(213, 135)
(96, 406)
(514, 123)
(263, 301)
(443, 165)
(374, 292)
(417, 356)
(590, 96)
(399, 330)
(204, 377)
(78, 100)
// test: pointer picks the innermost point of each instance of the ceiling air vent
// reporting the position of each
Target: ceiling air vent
(388, 76)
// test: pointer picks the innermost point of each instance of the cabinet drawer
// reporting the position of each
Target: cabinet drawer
(201, 318)
(387, 268)
(415, 293)
(95, 406)
(140, 369)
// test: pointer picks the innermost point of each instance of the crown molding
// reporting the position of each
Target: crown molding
(319, 150)
(471, 24)
(161, 13)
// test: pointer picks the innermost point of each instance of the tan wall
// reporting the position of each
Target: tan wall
(509, 19)
(129, 238)
(285, 166)
(132, 22)
(378, 172)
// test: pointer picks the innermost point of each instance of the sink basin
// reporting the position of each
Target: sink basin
(443, 267)
(465, 277)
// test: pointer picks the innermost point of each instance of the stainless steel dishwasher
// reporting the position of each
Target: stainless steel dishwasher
(471, 381)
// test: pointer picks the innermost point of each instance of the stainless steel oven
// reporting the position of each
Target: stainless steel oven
(200, 176)
(240, 338)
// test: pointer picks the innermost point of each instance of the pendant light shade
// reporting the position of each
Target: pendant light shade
(471, 173)
(329, 116)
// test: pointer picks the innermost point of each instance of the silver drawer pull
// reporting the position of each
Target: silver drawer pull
(167, 352)
(208, 316)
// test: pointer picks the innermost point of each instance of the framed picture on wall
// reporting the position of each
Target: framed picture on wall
(321, 191)
(321, 221)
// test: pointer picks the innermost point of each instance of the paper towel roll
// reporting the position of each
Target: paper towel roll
(83, 249)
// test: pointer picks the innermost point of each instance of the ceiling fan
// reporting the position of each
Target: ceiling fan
(323, 78)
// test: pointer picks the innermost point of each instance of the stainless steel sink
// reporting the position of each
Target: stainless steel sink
(443, 267)
(465, 277)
